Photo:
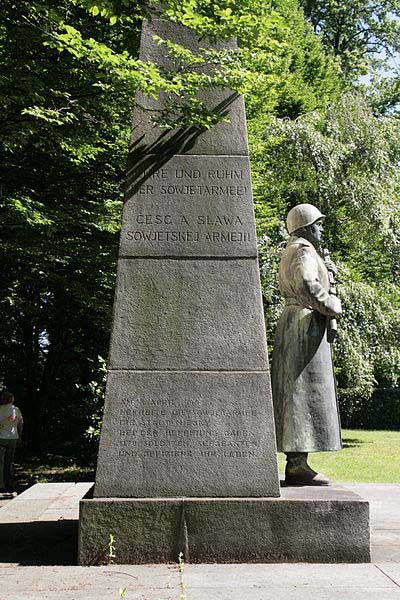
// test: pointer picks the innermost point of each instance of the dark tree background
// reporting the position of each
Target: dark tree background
(68, 77)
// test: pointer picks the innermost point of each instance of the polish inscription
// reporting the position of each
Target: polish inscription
(165, 430)
(203, 210)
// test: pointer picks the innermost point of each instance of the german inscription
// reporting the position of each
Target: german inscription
(190, 433)
(165, 430)
(182, 208)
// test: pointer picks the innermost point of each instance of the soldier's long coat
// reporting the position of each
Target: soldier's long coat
(303, 385)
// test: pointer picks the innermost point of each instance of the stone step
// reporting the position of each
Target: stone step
(40, 527)
(45, 502)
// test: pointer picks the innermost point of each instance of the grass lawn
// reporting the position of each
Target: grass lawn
(370, 456)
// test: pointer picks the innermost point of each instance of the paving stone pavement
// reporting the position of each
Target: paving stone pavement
(384, 502)
(38, 557)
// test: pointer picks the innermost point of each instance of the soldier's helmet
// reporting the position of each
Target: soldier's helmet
(301, 216)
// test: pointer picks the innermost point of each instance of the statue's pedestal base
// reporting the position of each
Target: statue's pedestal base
(306, 524)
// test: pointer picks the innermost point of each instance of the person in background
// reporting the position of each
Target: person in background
(11, 424)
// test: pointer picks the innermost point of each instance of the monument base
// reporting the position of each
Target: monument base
(306, 524)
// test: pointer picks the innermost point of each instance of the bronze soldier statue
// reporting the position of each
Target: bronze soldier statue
(303, 384)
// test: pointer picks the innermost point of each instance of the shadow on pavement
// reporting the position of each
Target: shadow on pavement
(39, 543)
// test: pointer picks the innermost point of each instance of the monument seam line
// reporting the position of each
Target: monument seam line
(190, 370)
(192, 155)
(178, 257)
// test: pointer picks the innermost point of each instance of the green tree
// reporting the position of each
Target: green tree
(358, 32)
(64, 137)
(281, 65)
(69, 73)
(345, 160)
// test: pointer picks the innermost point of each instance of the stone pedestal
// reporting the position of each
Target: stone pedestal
(321, 525)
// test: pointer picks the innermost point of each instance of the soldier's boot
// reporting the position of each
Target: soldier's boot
(299, 472)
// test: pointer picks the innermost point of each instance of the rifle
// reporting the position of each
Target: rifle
(332, 322)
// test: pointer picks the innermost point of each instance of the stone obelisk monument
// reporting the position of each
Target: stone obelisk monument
(187, 458)
(188, 409)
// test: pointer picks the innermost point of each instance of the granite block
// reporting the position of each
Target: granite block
(225, 138)
(188, 314)
(154, 525)
(192, 434)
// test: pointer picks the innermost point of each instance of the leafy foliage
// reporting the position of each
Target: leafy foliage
(344, 160)
(279, 63)
(69, 73)
(364, 38)
(358, 32)
(368, 352)
(381, 410)
(64, 140)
